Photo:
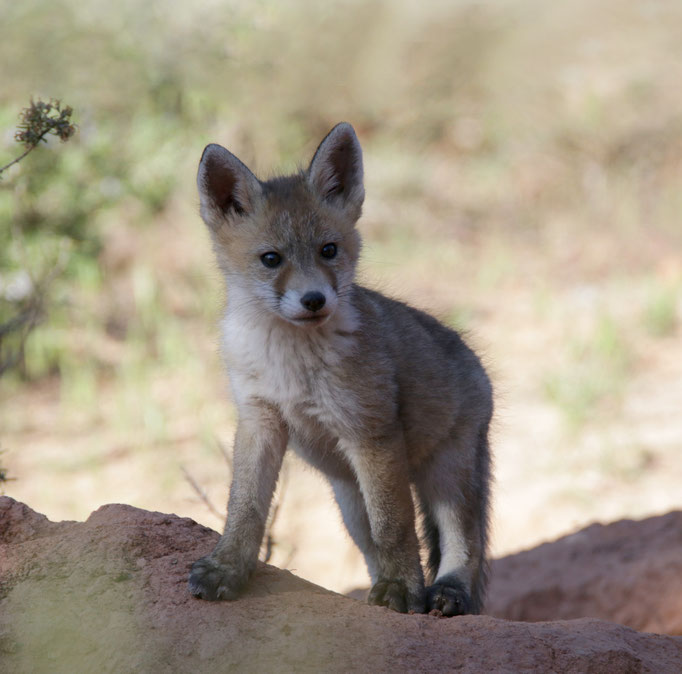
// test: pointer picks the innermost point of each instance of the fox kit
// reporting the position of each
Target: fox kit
(380, 397)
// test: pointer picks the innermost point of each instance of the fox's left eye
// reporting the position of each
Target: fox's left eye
(328, 251)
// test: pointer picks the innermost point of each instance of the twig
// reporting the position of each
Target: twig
(225, 453)
(30, 149)
(200, 492)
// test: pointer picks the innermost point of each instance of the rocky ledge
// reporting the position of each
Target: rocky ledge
(110, 594)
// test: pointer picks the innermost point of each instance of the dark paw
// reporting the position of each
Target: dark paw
(211, 580)
(394, 595)
(449, 596)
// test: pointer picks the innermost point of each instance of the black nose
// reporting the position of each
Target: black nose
(313, 301)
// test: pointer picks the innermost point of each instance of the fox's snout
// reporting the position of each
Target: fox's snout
(308, 306)
(313, 301)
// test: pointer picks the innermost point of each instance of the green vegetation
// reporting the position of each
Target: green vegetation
(594, 373)
(4, 477)
(24, 297)
(660, 311)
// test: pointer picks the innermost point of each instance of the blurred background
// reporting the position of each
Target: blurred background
(523, 178)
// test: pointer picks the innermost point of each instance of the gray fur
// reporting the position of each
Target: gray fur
(374, 393)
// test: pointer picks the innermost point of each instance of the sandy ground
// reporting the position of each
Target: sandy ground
(111, 594)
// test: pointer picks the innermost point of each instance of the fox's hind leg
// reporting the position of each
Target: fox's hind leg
(453, 491)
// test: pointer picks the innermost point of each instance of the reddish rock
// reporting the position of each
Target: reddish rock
(629, 572)
(111, 594)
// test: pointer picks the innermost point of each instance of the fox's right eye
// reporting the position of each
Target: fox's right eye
(271, 259)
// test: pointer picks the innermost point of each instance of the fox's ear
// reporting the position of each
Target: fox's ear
(335, 172)
(227, 188)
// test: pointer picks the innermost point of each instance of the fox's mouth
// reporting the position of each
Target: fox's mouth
(312, 319)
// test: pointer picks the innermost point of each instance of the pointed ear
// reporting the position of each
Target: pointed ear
(227, 189)
(335, 172)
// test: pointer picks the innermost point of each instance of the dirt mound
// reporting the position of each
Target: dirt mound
(110, 593)
(629, 572)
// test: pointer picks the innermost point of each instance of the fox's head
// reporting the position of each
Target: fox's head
(288, 245)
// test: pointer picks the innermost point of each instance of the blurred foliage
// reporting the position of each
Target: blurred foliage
(660, 311)
(593, 374)
(554, 128)
(4, 476)
(25, 295)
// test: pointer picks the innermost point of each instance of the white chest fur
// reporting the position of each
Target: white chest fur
(298, 369)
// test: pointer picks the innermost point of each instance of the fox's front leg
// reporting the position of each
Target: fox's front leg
(381, 469)
(259, 447)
